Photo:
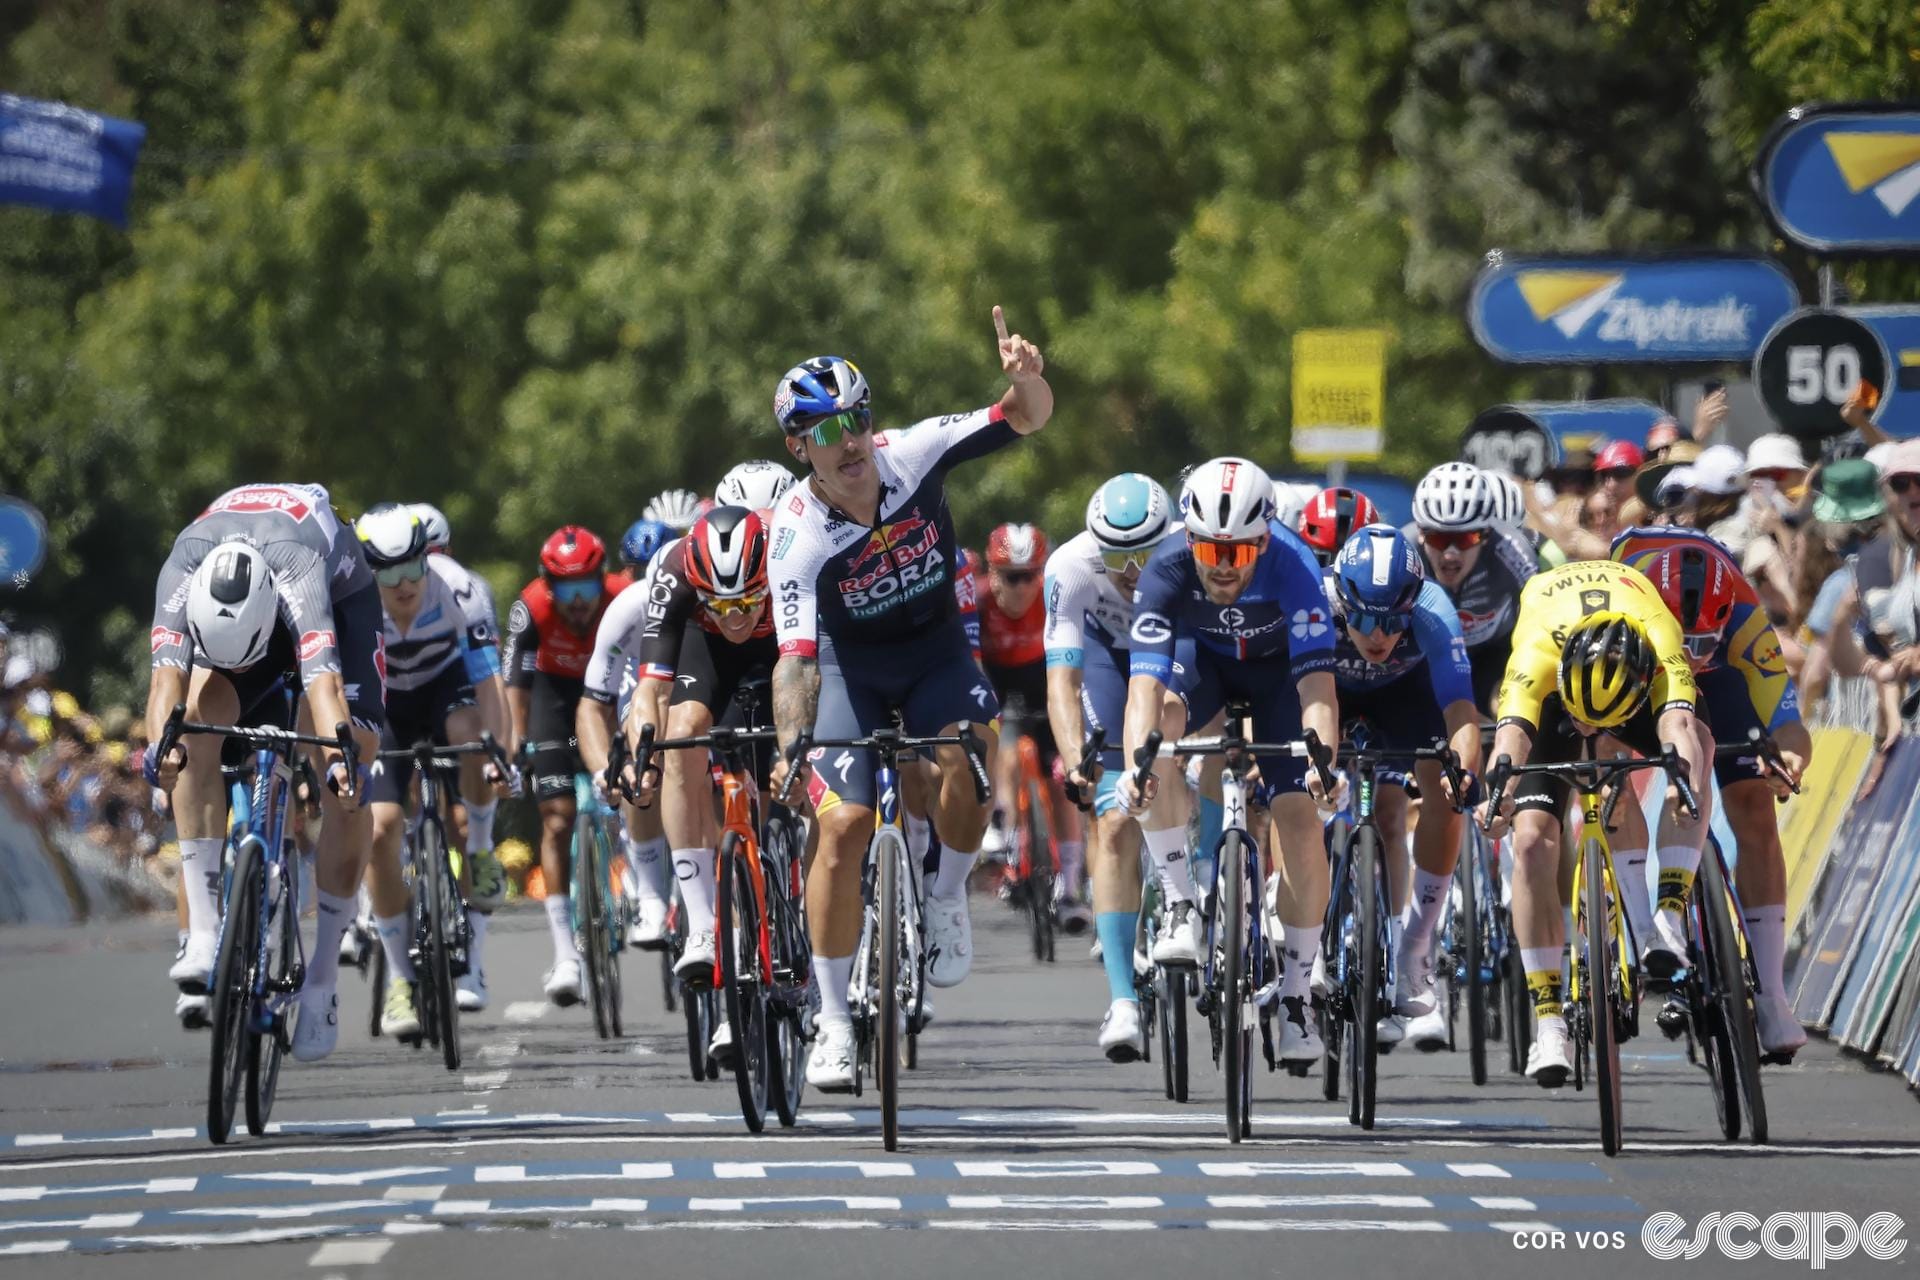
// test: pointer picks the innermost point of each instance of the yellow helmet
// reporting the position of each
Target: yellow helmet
(1606, 669)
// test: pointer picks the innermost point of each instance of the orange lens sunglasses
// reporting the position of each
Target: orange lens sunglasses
(1232, 555)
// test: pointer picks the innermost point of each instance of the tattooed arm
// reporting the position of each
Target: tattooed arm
(796, 696)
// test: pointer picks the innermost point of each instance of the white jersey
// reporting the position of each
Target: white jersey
(419, 652)
(1083, 605)
(612, 671)
(474, 595)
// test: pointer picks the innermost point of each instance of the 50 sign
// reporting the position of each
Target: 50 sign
(1811, 364)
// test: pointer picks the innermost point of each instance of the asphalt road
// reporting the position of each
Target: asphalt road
(1022, 1147)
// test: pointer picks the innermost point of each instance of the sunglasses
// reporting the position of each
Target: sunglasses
(848, 422)
(1616, 473)
(1451, 540)
(1387, 624)
(1901, 483)
(1121, 561)
(576, 590)
(394, 575)
(1702, 645)
(1779, 475)
(1014, 577)
(743, 604)
(1225, 555)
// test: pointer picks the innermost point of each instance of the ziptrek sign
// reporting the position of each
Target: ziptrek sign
(1844, 179)
(1627, 310)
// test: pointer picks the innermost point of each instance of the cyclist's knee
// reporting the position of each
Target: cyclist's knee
(1536, 843)
(688, 720)
(843, 842)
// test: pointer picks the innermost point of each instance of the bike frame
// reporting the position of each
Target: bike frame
(259, 813)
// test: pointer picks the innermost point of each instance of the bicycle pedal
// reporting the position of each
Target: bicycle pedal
(1298, 1070)
(1672, 1020)
(1777, 1059)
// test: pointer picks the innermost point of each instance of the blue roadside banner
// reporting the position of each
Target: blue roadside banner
(23, 542)
(1844, 179)
(54, 156)
(1645, 309)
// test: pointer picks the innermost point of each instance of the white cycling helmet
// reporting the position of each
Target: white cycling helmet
(1290, 502)
(1454, 495)
(434, 521)
(754, 485)
(391, 534)
(1507, 506)
(1227, 500)
(676, 508)
(1130, 512)
(231, 607)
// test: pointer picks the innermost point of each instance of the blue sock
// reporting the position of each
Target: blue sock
(1115, 930)
(1213, 820)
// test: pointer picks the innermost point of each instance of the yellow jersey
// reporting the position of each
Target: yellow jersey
(1553, 601)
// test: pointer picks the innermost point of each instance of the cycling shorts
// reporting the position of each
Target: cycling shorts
(417, 715)
(1558, 741)
(550, 718)
(1267, 684)
(1401, 715)
(1023, 704)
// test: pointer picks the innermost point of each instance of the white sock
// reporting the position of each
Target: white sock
(1168, 849)
(1767, 935)
(1423, 910)
(323, 962)
(955, 867)
(1678, 865)
(694, 869)
(1630, 867)
(1073, 862)
(480, 826)
(835, 976)
(393, 941)
(200, 874)
(1302, 944)
(919, 836)
(477, 935)
(648, 861)
(560, 925)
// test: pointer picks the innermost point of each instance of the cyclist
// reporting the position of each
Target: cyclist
(1090, 583)
(675, 508)
(1013, 622)
(1508, 510)
(755, 485)
(549, 641)
(1594, 650)
(430, 695)
(1412, 695)
(1331, 517)
(1744, 684)
(266, 581)
(1479, 564)
(1242, 594)
(862, 564)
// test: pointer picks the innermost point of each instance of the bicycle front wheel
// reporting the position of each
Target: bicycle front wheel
(588, 893)
(888, 855)
(269, 1047)
(1039, 873)
(1369, 925)
(1733, 993)
(1236, 937)
(737, 921)
(1473, 958)
(230, 1012)
(1604, 1025)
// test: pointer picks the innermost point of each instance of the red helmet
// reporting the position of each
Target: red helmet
(573, 551)
(1698, 588)
(1621, 453)
(727, 554)
(1017, 546)
(1332, 515)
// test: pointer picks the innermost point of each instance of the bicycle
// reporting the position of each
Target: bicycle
(763, 956)
(440, 932)
(1481, 953)
(1603, 991)
(888, 989)
(597, 897)
(260, 963)
(1357, 933)
(1034, 863)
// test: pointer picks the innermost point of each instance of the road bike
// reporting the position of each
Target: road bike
(1482, 958)
(1035, 864)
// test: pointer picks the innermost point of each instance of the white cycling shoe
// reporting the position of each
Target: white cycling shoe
(1390, 1031)
(563, 983)
(1180, 944)
(950, 940)
(1781, 1035)
(192, 1012)
(1320, 984)
(830, 1068)
(1430, 1032)
(1122, 1038)
(1413, 986)
(1550, 1060)
(317, 1028)
(1299, 1031)
(695, 966)
(471, 993)
(192, 968)
(649, 931)
(720, 1047)
(1662, 955)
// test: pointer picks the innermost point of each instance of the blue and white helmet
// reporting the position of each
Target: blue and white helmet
(1378, 571)
(816, 389)
(1130, 512)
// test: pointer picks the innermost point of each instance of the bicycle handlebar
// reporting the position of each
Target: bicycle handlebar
(891, 744)
(1088, 768)
(440, 756)
(1589, 776)
(1770, 759)
(266, 737)
(1448, 758)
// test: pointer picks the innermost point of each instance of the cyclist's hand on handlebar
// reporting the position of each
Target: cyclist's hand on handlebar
(348, 785)
(1501, 820)
(503, 784)
(644, 786)
(163, 773)
(1132, 799)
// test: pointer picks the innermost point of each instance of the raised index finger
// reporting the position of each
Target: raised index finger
(1000, 324)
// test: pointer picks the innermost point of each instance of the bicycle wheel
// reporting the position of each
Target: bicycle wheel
(1473, 959)
(1237, 1032)
(613, 932)
(1039, 873)
(437, 883)
(1519, 1009)
(886, 1048)
(1733, 993)
(1330, 1029)
(1171, 1001)
(792, 965)
(1709, 1045)
(1602, 1016)
(379, 988)
(587, 894)
(1368, 922)
(268, 1048)
(230, 1012)
(737, 935)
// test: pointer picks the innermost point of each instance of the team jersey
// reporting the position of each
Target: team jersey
(1749, 644)
(539, 639)
(315, 559)
(432, 642)
(616, 640)
(1433, 641)
(1007, 641)
(672, 603)
(1282, 611)
(891, 582)
(475, 599)
(1083, 605)
(1554, 601)
(966, 596)
(1488, 598)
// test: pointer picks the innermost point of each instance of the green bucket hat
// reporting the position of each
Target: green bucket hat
(1848, 491)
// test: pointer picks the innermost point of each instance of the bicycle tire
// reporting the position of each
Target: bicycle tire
(267, 1049)
(1474, 959)
(1039, 873)
(586, 918)
(793, 959)
(1519, 1006)
(613, 931)
(231, 1008)
(436, 885)
(1330, 1063)
(1171, 1011)
(1237, 1035)
(1602, 1014)
(886, 1047)
(379, 987)
(737, 928)
(699, 1031)
(1734, 991)
(1368, 923)
(1709, 1026)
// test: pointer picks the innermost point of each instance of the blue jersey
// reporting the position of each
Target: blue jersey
(1282, 612)
(1435, 641)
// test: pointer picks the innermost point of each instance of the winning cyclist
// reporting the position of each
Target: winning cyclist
(549, 640)
(1744, 685)
(862, 564)
(1090, 583)
(1594, 651)
(1245, 593)
(1330, 519)
(266, 581)
(1481, 565)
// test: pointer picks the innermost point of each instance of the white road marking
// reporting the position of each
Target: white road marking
(518, 1173)
(352, 1178)
(152, 1187)
(1505, 1202)
(349, 1253)
(1055, 1168)
(378, 1124)
(1315, 1168)
(415, 1193)
(1479, 1170)
(1037, 1224)
(523, 1011)
(1521, 1226)
(1055, 1202)
(1325, 1224)
(866, 1168)
(495, 1052)
(34, 1246)
(1357, 1199)
(274, 1212)
(92, 1222)
(485, 1081)
(701, 1204)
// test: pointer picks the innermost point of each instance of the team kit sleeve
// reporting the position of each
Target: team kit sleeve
(1156, 604)
(794, 569)
(669, 601)
(170, 647)
(613, 644)
(523, 645)
(1303, 595)
(304, 582)
(943, 443)
(1066, 585)
(1436, 629)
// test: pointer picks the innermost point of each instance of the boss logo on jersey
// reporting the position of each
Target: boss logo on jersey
(262, 499)
(165, 639)
(1151, 628)
(315, 643)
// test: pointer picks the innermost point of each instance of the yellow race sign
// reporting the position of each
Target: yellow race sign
(1339, 394)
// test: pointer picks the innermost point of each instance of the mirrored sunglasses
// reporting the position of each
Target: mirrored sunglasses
(1388, 624)
(406, 571)
(742, 604)
(1450, 539)
(1121, 561)
(849, 422)
(575, 590)
(1230, 555)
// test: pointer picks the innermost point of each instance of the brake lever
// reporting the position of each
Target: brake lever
(1318, 757)
(350, 755)
(977, 760)
(1088, 768)
(1497, 779)
(642, 762)
(1143, 761)
(796, 752)
(1676, 773)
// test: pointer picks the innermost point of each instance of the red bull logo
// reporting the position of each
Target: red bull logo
(889, 538)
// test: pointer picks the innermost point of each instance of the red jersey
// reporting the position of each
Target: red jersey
(539, 639)
(1006, 641)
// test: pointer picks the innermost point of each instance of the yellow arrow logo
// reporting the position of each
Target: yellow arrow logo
(1566, 297)
(1889, 163)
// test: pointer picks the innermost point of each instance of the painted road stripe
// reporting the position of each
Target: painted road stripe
(1306, 1168)
(350, 1178)
(1327, 1224)
(626, 1173)
(350, 1253)
(1055, 1168)
(1054, 1202)
(523, 1011)
(791, 1168)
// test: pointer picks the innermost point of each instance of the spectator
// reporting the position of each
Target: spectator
(1872, 625)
